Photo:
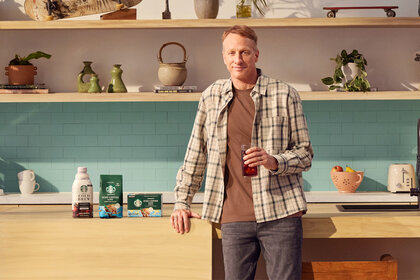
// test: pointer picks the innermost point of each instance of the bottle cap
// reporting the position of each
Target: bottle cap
(82, 169)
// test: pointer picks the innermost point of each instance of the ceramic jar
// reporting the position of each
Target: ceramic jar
(172, 74)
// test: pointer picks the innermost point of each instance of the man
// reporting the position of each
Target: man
(262, 213)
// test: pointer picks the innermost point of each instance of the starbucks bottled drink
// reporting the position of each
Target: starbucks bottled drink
(82, 195)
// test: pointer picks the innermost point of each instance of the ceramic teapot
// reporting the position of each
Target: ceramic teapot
(172, 74)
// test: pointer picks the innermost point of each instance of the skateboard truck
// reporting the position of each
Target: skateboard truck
(50, 7)
(389, 10)
(166, 14)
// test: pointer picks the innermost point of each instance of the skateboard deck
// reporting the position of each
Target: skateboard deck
(388, 10)
(39, 9)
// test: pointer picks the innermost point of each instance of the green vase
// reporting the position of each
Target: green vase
(87, 70)
(116, 85)
(94, 84)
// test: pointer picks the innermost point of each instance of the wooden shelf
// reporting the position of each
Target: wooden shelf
(195, 96)
(401, 22)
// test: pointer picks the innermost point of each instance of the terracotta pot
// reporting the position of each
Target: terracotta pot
(172, 74)
(21, 74)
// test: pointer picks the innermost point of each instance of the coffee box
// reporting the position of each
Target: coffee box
(111, 196)
(144, 205)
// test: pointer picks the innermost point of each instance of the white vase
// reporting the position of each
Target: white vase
(350, 71)
(206, 8)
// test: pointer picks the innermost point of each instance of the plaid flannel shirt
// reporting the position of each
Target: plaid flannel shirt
(279, 127)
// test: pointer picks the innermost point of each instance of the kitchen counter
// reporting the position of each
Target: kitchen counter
(45, 242)
(49, 244)
(168, 197)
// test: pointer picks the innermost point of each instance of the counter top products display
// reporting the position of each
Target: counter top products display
(144, 205)
(82, 195)
(111, 196)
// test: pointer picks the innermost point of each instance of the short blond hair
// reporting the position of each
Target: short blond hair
(243, 31)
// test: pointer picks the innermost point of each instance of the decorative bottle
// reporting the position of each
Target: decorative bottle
(94, 84)
(116, 85)
(87, 70)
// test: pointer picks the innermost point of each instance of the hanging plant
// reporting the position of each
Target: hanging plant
(359, 83)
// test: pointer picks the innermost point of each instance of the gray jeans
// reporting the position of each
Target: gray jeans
(280, 242)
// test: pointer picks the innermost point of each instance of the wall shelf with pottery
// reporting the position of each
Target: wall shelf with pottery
(401, 22)
(195, 96)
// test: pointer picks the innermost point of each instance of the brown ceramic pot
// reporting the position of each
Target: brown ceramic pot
(21, 74)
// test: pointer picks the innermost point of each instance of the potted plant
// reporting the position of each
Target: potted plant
(356, 62)
(20, 71)
(243, 7)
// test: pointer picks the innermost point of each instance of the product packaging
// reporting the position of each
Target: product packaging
(111, 196)
(82, 195)
(144, 205)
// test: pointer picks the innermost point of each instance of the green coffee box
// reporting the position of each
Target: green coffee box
(144, 205)
(111, 196)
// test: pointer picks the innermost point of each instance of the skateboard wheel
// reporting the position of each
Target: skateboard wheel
(390, 13)
(49, 18)
(331, 14)
(119, 6)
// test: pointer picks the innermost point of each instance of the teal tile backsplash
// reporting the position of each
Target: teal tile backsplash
(146, 141)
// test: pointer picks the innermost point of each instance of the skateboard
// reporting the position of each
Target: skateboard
(57, 9)
(388, 10)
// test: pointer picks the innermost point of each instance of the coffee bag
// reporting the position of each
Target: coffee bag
(111, 196)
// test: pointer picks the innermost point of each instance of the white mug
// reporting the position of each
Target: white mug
(28, 186)
(27, 175)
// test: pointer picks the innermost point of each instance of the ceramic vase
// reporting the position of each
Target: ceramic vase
(94, 84)
(116, 84)
(206, 8)
(83, 86)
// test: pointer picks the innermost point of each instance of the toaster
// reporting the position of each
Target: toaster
(401, 177)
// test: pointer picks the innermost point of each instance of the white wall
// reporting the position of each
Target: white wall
(299, 56)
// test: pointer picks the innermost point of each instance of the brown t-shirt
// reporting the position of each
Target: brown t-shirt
(238, 205)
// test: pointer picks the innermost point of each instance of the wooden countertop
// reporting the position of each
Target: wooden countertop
(45, 242)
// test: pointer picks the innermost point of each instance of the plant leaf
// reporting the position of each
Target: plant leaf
(328, 81)
(36, 55)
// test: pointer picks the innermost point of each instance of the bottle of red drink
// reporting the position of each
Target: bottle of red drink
(247, 170)
(82, 195)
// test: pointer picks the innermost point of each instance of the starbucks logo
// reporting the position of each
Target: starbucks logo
(83, 188)
(111, 189)
(137, 202)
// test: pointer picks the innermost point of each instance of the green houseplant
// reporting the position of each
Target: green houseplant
(21, 71)
(243, 7)
(338, 81)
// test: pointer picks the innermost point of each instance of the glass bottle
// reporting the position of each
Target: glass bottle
(243, 8)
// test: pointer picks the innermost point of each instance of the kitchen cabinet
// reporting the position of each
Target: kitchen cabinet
(406, 22)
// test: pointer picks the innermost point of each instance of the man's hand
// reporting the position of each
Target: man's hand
(180, 220)
(258, 156)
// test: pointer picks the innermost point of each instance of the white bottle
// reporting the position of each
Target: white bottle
(82, 194)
